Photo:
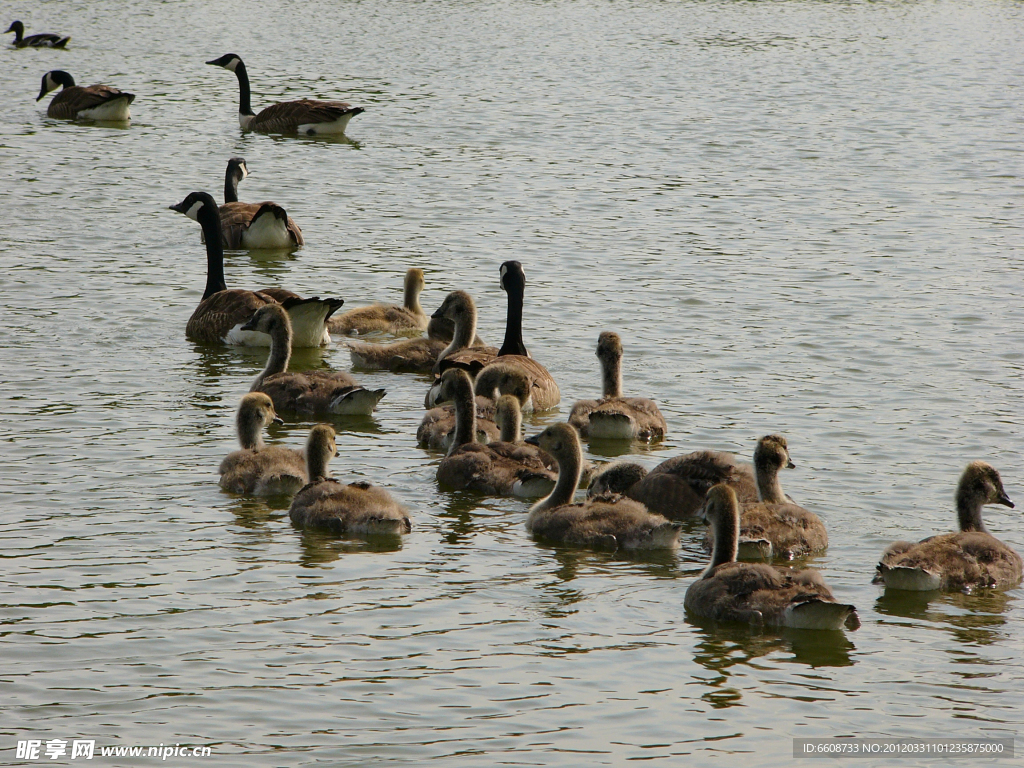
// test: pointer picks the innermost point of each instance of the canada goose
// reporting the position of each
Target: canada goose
(544, 393)
(676, 488)
(312, 392)
(605, 522)
(500, 469)
(757, 593)
(253, 225)
(356, 508)
(260, 469)
(388, 318)
(774, 526)
(38, 40)
(307, 117)
(458, 308)
(615, 416)
(90, 102)
(222, 313)
(957, 561)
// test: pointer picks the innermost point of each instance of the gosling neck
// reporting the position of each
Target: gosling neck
(511, 419)
(968, 510)
(769, 486)
(570, 467)
(318, 456)
(465, 414)
(465, 332)
(611, 376)
(727, 539)
(280, 333)
(513, 343)
(250, 430)
(411, 301)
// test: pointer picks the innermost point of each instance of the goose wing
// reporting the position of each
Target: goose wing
(287, 116)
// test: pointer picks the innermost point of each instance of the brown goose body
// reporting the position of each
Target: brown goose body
(358, 508)
(311, 392)
(259, 469)
(775, 526)
(610, 521)
(969, 559)
(614, 416)
(91, 102)
(757, 593)
(410, 355)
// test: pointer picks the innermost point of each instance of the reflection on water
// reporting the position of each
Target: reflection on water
(977, 618)
(317, 548)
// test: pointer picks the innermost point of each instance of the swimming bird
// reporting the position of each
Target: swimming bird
(222, 313)
(253, 225)
(498, 469)
(307, 117)
(312, 392)
(615, 416)
(774, 526)
(354, 509)
(388, 318)
(89, 102)
(957, 561)
(606, 522)
(259, 469)
(757, 593)
(459, 309)
(38, 40)
(677, 487)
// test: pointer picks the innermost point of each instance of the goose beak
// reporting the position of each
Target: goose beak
(533, 440)
(1004, 500)
(179, 207)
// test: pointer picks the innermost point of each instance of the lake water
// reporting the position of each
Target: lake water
(802, 217)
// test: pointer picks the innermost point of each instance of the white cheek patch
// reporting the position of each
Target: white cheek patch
(50, 84)
(504, 271)
(232, 65)
(193, 212)
(245, 171)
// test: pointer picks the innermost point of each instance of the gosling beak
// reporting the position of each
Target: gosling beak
(250, 324)
(1004, 500)
(277, 419)
(533, 440)
(790, 465)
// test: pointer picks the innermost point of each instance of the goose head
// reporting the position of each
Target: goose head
(54, 79)
(198, 205)
(512, 277)
(228, 61)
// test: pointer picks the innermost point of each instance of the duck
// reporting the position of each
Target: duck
(497, 468)
(758, 593)
(354, 509)
(222, 312)
(775, 526)
(615, 417)
(388, 318)
(964, 561)
(84, 102)
(258, 469)
(38, 40)
(253, 225)
(313, 392)
(610, 521)
(677, 487)
(306, 117)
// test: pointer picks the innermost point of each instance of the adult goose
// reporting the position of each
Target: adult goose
(38, 40)
(353, 509)
(87, 102)
(774, 526)
(222, 312)
(613, 416)
(605, 522)
(253, 225)
(388, 318)
(498, 469)
(757, 593)
(307, 117)
(964, 561)
(317, 393)
(259, 469)
(678, 486)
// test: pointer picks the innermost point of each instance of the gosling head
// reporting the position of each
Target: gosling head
(772, 454)
(980, 484)
(454, 381)
(320, 449)
(456, 304)
(721, 505)
(228, 61)
(559, 439)
(268, 317)
(500, 378)
(257, 408)
(414, 280)
(609, 347)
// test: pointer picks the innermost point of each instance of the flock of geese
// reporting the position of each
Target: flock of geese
(474, 413)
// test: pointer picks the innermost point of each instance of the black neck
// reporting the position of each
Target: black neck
(209, 219)
(231, 185)
(244, 107)
(513, 344)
